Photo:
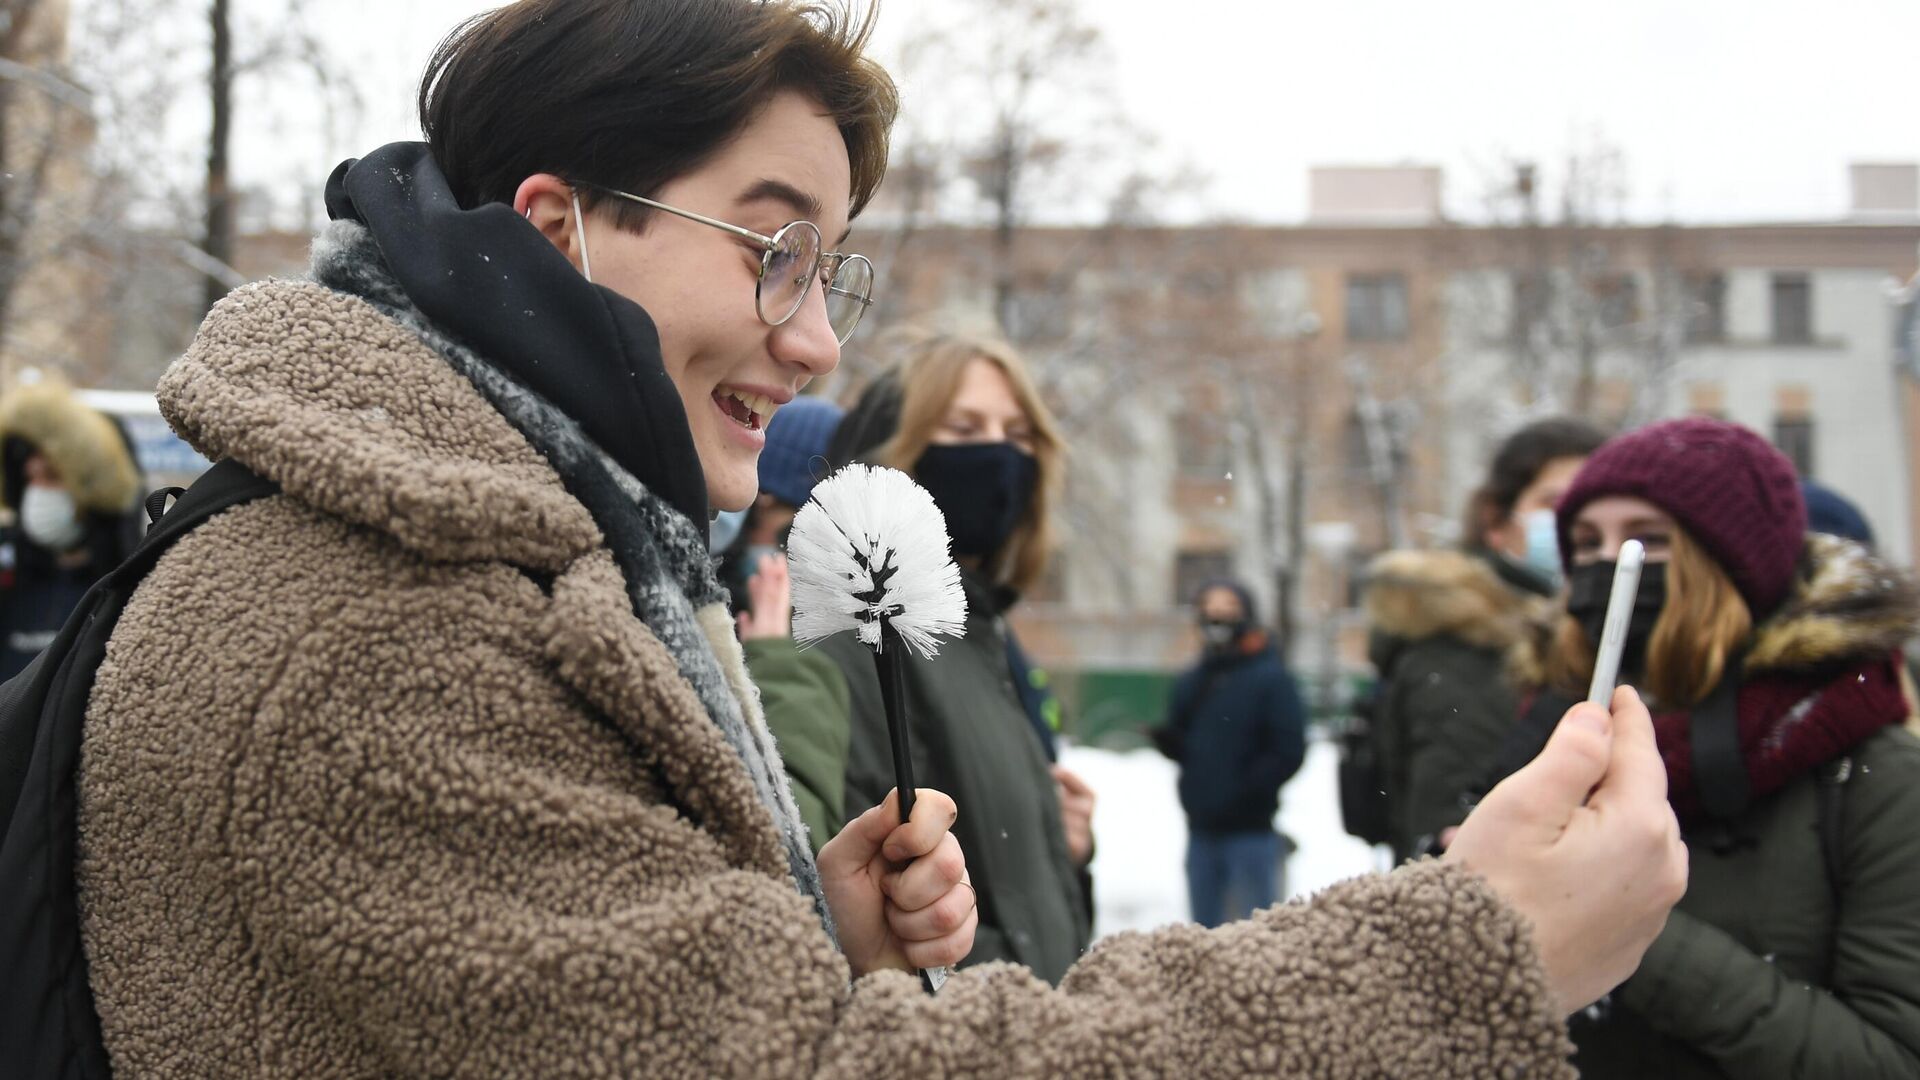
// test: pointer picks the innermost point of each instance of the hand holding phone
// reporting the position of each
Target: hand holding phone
(1613, 635)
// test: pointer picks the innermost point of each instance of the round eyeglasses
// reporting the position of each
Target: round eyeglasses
(790, 261)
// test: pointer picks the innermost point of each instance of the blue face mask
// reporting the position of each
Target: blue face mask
(1543, 544)
(726, 525)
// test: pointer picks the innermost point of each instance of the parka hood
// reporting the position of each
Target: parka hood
(1415, 595)
(1846, 605)
(86, 446)
(349, 411)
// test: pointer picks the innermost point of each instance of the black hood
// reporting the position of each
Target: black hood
(491, 281)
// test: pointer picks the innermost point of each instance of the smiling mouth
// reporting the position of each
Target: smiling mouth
(750, 411)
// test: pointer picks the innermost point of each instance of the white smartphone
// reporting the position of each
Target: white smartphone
(1613, 636)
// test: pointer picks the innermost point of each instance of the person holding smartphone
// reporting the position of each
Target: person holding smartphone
(443, 760)
(1771, 660)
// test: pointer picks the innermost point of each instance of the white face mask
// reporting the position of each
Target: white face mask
(49, 518)
(726, 525)
(1543, 543)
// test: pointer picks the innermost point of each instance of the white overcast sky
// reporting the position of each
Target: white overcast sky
(1724, 111)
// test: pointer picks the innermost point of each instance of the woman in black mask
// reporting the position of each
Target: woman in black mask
(962, 416)
(1771, 660)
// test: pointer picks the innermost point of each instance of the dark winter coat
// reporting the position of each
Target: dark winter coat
(38, 587)
(1771, 967)
(1443, 624)
(1237, 727)
(972, 740)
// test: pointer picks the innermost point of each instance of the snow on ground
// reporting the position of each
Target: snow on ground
(1139, 867)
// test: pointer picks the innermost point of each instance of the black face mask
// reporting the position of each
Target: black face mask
(984, 489)
(1588, 588)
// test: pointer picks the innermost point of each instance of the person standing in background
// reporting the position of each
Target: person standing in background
(1770, 658)
(1237, 727)
(68, 476)
(961, 415)
(1442, 623)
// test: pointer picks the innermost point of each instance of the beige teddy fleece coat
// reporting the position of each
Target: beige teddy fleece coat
(360, 798)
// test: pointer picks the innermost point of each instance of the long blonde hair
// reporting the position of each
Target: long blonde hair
(1704, 622)
(929, 368)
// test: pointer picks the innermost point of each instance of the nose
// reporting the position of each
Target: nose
(807, 339)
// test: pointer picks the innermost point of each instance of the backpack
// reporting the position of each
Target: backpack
(1363, 775)
(48, 1026)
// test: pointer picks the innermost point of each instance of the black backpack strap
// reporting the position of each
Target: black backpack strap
(1831, 785)
(156, 504)
(226, 485)
(1719, 766)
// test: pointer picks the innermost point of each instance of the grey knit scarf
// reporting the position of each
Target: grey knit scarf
(663, 557)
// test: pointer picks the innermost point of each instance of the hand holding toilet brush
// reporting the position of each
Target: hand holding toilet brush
(869, 553)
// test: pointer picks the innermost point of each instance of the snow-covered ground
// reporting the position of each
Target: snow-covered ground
(1139, 872)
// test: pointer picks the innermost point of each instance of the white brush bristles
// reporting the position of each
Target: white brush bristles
(865, 522)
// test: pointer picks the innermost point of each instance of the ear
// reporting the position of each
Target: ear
(546, 201)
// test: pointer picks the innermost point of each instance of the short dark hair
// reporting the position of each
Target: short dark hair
(634, 93)
(1517, 464)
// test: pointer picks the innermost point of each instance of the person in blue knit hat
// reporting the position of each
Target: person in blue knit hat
(1829, 512)
(803, 694)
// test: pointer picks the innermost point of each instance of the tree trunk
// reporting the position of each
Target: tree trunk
(220, 208)
(15, 211)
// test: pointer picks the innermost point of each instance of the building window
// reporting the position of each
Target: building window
(1794, 436)
(1193, 569)
(1617, 297)
(1792, 309)
(1376, 307)
(1200, 444)
(1706, 308)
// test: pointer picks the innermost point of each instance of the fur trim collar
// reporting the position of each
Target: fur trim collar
(1846, 605)
(84, 445)
(1416, 595)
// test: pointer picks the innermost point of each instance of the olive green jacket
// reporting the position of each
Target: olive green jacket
(1772, 967)
(805, 700)
(972, 740)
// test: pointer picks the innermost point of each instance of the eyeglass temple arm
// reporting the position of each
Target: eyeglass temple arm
(744, 234)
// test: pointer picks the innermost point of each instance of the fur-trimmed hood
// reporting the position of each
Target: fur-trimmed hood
(92, 456)
(1416, 595)
(1847, 605)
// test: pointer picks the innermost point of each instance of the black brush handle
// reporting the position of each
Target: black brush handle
(892, 661)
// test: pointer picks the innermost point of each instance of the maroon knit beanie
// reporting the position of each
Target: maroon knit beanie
(1726, 486)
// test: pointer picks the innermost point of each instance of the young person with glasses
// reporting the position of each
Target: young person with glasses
(443, 759)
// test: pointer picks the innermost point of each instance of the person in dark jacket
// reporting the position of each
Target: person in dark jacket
(1443, 623)
(1832, 513)
(68, 476)
(1771, 660)
(961, 415)
(1237, 727)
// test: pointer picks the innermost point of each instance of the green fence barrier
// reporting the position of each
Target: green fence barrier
(1110, 707)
